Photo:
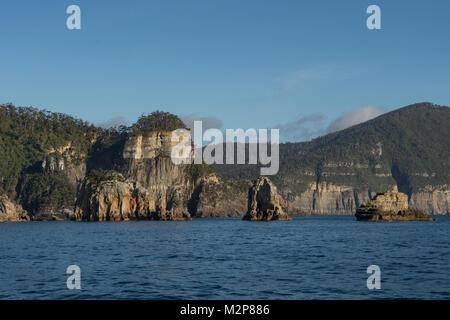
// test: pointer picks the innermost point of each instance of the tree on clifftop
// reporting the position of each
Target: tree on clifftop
(157, 121)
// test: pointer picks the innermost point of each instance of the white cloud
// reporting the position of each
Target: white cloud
(207, 122)
(114, 122)
(352, 118)
(311, 126)
(304, 128)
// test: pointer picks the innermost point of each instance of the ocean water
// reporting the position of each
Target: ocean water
(306, 258)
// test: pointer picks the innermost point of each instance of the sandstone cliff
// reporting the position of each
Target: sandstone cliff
(48, 191)
(264, 203)
(327, 198)
(11, 212)
(148, 163)
(432, 199)
(324, 199)
(67, 161)
(390, 206)
(110, 197)
(148, 186)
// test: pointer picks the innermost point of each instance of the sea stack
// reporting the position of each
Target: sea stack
(390, 206)
(264, 203)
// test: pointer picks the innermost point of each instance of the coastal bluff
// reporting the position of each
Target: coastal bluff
(11, 212)
(390, 206)
(264, 202)
(148, 185)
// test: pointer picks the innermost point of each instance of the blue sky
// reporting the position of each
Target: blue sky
(248, 63)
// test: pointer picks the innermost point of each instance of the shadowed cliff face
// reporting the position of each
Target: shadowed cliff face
(215, 196)
(47, 190)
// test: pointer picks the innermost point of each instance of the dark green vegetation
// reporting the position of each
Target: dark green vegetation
(28, 134)
(409, 146)
(197, 171)
(43, 154)
(45, 192)
(157, 121)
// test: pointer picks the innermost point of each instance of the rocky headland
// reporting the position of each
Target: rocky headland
(55, 167)
(150, 186)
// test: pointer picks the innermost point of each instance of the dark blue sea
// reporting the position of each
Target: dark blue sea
(306, 258)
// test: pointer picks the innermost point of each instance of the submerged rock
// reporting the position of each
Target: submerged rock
(390, 206)
(264, 202)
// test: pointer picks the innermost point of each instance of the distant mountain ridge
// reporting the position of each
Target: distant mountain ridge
(408, 147)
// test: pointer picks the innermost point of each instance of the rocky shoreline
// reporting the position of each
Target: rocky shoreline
(121, 175)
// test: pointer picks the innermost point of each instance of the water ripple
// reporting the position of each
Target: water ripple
(306, 258)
